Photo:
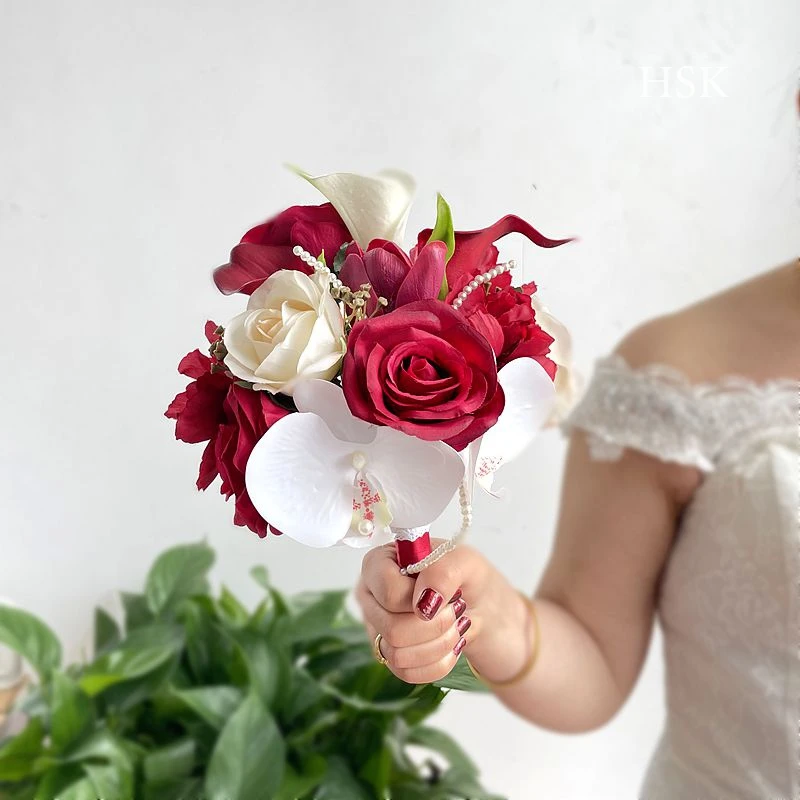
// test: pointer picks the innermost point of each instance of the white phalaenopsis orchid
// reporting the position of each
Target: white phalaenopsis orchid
(323, 477)
(530, 397)
(372, 207)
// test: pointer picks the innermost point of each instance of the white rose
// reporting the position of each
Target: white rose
(292, 330)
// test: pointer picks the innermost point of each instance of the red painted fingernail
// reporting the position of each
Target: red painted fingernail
(456, 597)
(463, 625)
(462, 643)
(459, 607)
(429, 603)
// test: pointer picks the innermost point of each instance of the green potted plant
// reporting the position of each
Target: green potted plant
(196, 697)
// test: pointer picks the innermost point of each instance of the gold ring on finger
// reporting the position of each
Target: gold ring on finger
(376, 649)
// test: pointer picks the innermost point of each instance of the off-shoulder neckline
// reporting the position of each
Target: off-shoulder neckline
(674, 376)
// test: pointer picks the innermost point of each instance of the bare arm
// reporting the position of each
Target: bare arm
(596, 599)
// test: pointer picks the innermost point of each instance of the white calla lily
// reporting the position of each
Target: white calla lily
(372, 207)
(323, 477)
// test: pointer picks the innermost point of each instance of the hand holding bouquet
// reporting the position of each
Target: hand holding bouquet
(363, 386)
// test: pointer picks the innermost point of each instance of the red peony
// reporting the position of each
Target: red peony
(268, 247)
(231, 419)
(425, 371)
(505, 316)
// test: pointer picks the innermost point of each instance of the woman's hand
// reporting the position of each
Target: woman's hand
(426, 621)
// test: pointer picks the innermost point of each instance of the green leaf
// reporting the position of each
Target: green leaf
(231, 610)
(443, 232)
(213, 704)
(455, 783)
(440, 742)
(81, 790)
(170, 764)
(22, 791)
(315, 614)
(18, 755)
(191, 789)
(304, 693)
(427, 699)
(340, 256)
(461, 678)
(141, 653)
(31, 638)
(260, 575)
(360, 704)
(72, 712)
(60, 783)
(104, 746)
(339, 783)
(178, 573)
(207, 647)
(125, 695)
(137, 614)
(296, 785)
(110, 781)
(443, 229)
(106, 631)
(248, 759)
(266, 668)
(377, 770)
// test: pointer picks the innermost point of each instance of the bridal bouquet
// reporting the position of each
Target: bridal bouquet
(362, 386)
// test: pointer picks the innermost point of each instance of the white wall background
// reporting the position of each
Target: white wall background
(139, 140)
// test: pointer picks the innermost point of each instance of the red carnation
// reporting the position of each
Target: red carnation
(505, 316)
(425, 371)
(268, 247)
(231, 419)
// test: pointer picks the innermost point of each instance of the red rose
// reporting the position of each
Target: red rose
(425, 371)
(268, 247)
(231, 419)
(505, 316)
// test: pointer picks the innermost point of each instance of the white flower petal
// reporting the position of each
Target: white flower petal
(327, 401)
(567, 384)
(530, 395)
(381, 535)
(372, 207)
(300, 478)
(418, 477)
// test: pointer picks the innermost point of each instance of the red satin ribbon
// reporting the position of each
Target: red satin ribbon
(409, 553)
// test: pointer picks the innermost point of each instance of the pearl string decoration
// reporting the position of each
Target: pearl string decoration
(445, 547)
(317, 265)
(479, 280)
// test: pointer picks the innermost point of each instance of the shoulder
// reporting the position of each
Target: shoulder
(729, 333)
(691, 341)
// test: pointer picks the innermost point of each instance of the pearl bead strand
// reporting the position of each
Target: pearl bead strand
(486, 277)
(316, 265)
(445, 547)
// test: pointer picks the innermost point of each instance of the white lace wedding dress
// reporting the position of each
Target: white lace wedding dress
(729, 604)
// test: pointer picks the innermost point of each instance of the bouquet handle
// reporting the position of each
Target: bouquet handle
(411, 551)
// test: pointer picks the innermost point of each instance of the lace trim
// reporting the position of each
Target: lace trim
(657, 410)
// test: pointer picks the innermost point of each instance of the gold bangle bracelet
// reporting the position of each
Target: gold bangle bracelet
(529, 663)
